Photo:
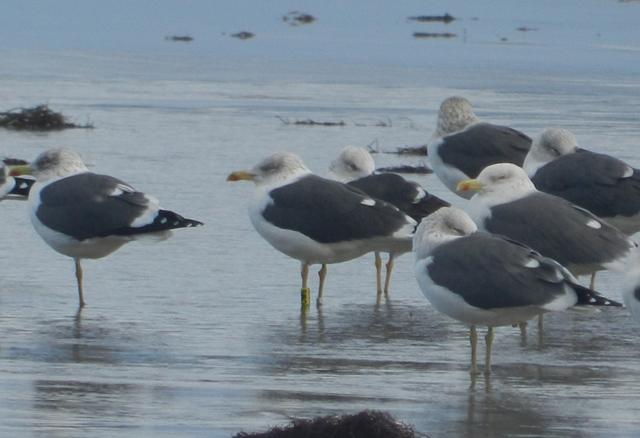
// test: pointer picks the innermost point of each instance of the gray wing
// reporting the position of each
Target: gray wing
(328, 211)
(489, 272)
(89, 205)
(558, 229)
(483, 144)
(602, 184)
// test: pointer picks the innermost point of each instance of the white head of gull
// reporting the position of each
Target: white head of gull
(551, 144)
(317, 220)
(352, 163)
(499, 183)
(480, 278)
(85, 215)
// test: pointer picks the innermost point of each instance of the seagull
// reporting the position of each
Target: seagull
(508, 203)
(86, 215)
(604, 185)
(355, 166)
(320, 221)
(463, 145)
(481, 278)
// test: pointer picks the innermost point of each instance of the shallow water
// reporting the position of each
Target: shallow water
(202, 335)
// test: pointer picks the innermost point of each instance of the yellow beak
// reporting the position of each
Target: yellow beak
(469, 185)
(241, 175)
(21, 169)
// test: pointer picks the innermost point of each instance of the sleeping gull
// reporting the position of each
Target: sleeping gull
(604, 185)
(355, 166)
(320, 221)
(484, 279)
(508, 203)
(86, 215)
(463, 145)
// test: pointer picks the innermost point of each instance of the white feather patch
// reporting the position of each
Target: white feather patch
(368, 201)
(628, 172)
(532, 263)
(594, 224)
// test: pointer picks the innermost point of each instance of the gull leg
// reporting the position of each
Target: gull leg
(378, 263)
(592, 283)
(473, 339)
(322, 273)
(540, 329)
(523, 332)
(305, 292)
(79, 281)
(487, 359)
(387, 278)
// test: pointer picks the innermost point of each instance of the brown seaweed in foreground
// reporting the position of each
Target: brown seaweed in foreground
(296, 18)
(38, 118)
(309, 122)
(365, 424)
(421, 169)
(179, 38)
(446, 18)
(434, 35)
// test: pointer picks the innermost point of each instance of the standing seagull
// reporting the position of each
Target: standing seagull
(320, 221)
(604, 185)
(483, 279)
(355, 166)
(86, 215)
(463, 145)
(508, 203)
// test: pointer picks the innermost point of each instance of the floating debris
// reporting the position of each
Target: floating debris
(446, 18)
(421, 169)
(296, 18)
(244, 35)
(38, 118)
(527, 29)
(434, 35)
(366, 424)
(310, 122)
(411, 150)
(179, 38)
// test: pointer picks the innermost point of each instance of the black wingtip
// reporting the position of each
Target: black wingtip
(590, 297)
(22, 187)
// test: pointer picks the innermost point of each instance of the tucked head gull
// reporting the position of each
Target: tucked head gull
(604, 185)
(483, 279)
(463, 145)
(356, 167)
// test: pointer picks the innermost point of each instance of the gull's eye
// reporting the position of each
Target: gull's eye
(352, 166)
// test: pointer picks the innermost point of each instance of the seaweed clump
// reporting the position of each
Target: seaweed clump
(366, 424)
(38, 118)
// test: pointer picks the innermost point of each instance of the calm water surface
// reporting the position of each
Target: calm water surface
(202, 335)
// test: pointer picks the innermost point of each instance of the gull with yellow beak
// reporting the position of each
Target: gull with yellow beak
(317, 220)
(507, 203)
(86, 215)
